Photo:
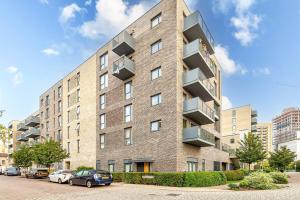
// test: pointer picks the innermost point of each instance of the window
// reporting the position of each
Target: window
(155, 99)
(78, 146)
(111, 167)
(47, 100)
(233, 128)
(156, 20)
(42, 102)
(128, 136)
(68, 100)
(128, 113)
(128, 167)
(78, 95)
(217, 166)
(102, 101)
(59, 92)
(47, 126)
(192, 166)
(78, 129)
(68, 132)
(78, 112)
(98, 166)
(203, 164)
(68, 150)
(233, 121)
(184, 123)
(102, 121)
(155, 47)
(69, 85)
(59, 136)
(103, 81)
(59, 106)
(233, 113)
(59, 121)
(47, 113)
(54, 95)
(156, 126)
(68, 116)
(156, 73)
(42, 115)
(102, 141)
(231, 141)
(104, 61)
(128, 90)
(54, 109)
(78, 79)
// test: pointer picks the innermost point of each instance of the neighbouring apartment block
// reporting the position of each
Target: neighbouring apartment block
(236, 123)
(12, 139)
(148, 100)
(264, 132)
(286, 130)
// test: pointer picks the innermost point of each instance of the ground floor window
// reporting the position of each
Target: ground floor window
(203, 164)
(111, 166)
(217, 166)
(127, 167)
(98, 165)
(192, 166)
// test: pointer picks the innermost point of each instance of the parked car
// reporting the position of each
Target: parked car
(61, 176)
(91, 178)
(12, 171)
(37, 173)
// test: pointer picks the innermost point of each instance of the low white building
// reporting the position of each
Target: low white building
(293, 145)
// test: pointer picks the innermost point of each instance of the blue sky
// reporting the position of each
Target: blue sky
(257, 46)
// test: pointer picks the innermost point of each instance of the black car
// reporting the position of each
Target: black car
(91, 178)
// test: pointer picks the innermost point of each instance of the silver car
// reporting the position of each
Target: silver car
(61, 176)
(12, 171)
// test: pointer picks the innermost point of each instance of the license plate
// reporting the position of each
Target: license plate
(105, 177)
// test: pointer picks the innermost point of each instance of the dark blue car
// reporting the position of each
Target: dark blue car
(91, 178)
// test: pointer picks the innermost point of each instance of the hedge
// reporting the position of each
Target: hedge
(234, 175)
(175, 179)
(80, 168)
(298, 166)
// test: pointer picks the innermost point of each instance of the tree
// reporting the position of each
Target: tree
(23, 157)
(3, 134)
(281, 158)
(48, 153)
(251, 150)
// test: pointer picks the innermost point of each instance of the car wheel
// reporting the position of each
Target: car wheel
(88, 184)
(71, 182)
(107, 184)
(59, 181)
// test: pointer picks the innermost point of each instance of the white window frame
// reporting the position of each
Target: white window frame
(104, 81)
(155, 73)
(155, 126)
(128, 113)
(156, 99)
(102, 121)
(128, 90)
(192, 166)
(156, 46)
(104, 61)
(129, 169)
(128, 138)
(59, 121)
(102, 101)
(59, 106)
(155, 21)
(102, 141)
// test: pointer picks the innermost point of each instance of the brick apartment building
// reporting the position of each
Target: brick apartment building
(148, 100)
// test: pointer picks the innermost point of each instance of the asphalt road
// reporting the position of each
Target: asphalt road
(16, 188)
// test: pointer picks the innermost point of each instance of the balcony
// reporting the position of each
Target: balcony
(217, 112)
(253, 128)
(195, 27)
(195, 56)
(123, 44)
(254, 113)
(123, 68)
(253, 121)
(32, 121)
(22, 127)
(198, 111)
(32, 133)
(198, 137)
(22, 138)
(197, 84)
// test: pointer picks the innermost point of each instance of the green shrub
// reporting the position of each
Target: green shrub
(259, 181)
(80, 168)
(169, 179)
(118, 176)
(234, 175)
(279, 177)
(133, 178)
(204, 179)
(298, 166)
(246, 172)
(233, 186)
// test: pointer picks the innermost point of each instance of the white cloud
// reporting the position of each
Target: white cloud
(69, 12)
(244, 21)
(17, 76)
(44, 1)
(113, 16)
(192, 4)
(88, 2)
(51, 52)
(226, 103)
(228, 65)
(261, 71)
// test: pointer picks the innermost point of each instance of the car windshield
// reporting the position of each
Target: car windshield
(11, 169)
(67, 172)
